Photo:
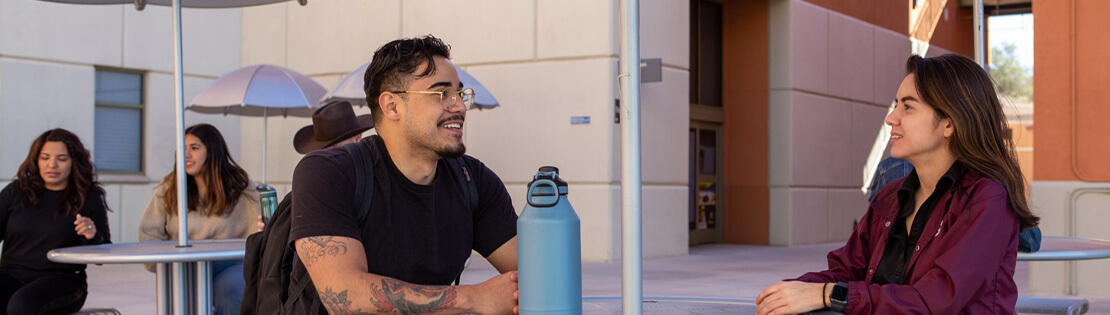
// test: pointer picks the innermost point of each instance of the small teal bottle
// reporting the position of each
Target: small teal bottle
(267, 200)
(549, 248)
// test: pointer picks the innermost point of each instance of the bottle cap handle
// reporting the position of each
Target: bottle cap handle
(543, 182)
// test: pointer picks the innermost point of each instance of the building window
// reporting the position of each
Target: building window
(705, 52)
(119, 121)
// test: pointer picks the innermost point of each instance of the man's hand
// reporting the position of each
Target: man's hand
(791, 297)
(495, 296)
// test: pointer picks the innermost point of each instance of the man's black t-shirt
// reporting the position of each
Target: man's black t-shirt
(420, 234)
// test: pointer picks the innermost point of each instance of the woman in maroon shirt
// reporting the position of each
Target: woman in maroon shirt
(942, 240)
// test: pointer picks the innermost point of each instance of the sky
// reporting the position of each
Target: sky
(1017, 29)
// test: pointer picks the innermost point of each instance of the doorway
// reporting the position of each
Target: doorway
(705, 182)
(706, 119)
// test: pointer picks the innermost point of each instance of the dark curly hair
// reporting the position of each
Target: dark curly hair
(394, 66)
(82, 175)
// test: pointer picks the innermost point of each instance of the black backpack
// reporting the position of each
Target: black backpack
(268, 262)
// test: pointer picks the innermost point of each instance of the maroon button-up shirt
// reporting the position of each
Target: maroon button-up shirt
(963, 263)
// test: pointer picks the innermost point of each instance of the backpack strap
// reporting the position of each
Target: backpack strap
(364, 194)
(463, 174)
(296, 294)
(364, 178)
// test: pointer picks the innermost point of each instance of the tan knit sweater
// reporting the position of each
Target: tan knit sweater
(156, 225)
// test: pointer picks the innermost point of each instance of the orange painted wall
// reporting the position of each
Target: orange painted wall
(1023, 142)
(1059, 156)
(954, 33)
(957, 33)
(887, 14)
(744, 77)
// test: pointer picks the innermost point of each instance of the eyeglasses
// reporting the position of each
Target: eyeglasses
(447, 99)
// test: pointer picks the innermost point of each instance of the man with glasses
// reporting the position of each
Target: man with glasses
(420, 228)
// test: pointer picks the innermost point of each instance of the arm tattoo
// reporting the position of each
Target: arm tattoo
(338, 303)
(395, 296)
(315, 247)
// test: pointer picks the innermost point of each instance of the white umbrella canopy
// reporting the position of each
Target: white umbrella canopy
(350, 89)
(260, 90)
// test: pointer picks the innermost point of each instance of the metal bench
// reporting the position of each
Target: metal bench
(1033, 305)
(97, 311)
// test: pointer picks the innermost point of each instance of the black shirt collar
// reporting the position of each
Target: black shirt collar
(895, 262)
(911, 184)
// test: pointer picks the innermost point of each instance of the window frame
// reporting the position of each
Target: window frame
(118, 175)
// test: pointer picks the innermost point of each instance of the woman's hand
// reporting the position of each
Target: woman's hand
(791, 297)
(260, 224)
(84, 227)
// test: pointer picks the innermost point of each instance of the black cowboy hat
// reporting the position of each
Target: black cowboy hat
(331, 123)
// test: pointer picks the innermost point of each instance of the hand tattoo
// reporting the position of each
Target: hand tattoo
(315, 247)
(395, 296)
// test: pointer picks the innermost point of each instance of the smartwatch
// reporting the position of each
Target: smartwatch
(838, 298)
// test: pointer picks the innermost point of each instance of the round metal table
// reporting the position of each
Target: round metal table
(1055, 248)
(674, 305)
(1069, 250)
(193, 262)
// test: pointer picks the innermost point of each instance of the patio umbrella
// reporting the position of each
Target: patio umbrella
(179, 119)
(260, 90)
(179, 81)
(350, 89)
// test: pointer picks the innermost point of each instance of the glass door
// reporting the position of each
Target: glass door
(704, 205)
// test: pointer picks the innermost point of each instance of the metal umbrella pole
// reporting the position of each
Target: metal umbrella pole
(179, 269)
(632, 290)
(980, 57)
(265, 138)
(179, 123)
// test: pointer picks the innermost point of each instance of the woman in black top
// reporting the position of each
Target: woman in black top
(55, 201)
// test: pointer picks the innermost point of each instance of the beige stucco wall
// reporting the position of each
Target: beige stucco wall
(832, 77)
(48, 56)
(545, 61)
(1050, 200)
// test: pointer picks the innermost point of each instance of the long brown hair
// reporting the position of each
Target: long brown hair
(224, 178)
(82, 175)
(959, 89)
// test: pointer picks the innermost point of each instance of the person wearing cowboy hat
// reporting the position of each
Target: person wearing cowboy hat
(333, 125)
(420, 228)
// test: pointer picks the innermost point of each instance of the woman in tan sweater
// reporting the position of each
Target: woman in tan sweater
(222, 204)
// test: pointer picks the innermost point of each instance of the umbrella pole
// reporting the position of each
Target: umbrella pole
(632, 290)
(180, 305)
(179, 121)
(265, 136)
(978, 22)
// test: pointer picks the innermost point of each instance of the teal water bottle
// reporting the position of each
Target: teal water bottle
(549, 249)
(267, 200)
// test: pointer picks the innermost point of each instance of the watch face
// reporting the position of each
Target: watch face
(839, 293)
